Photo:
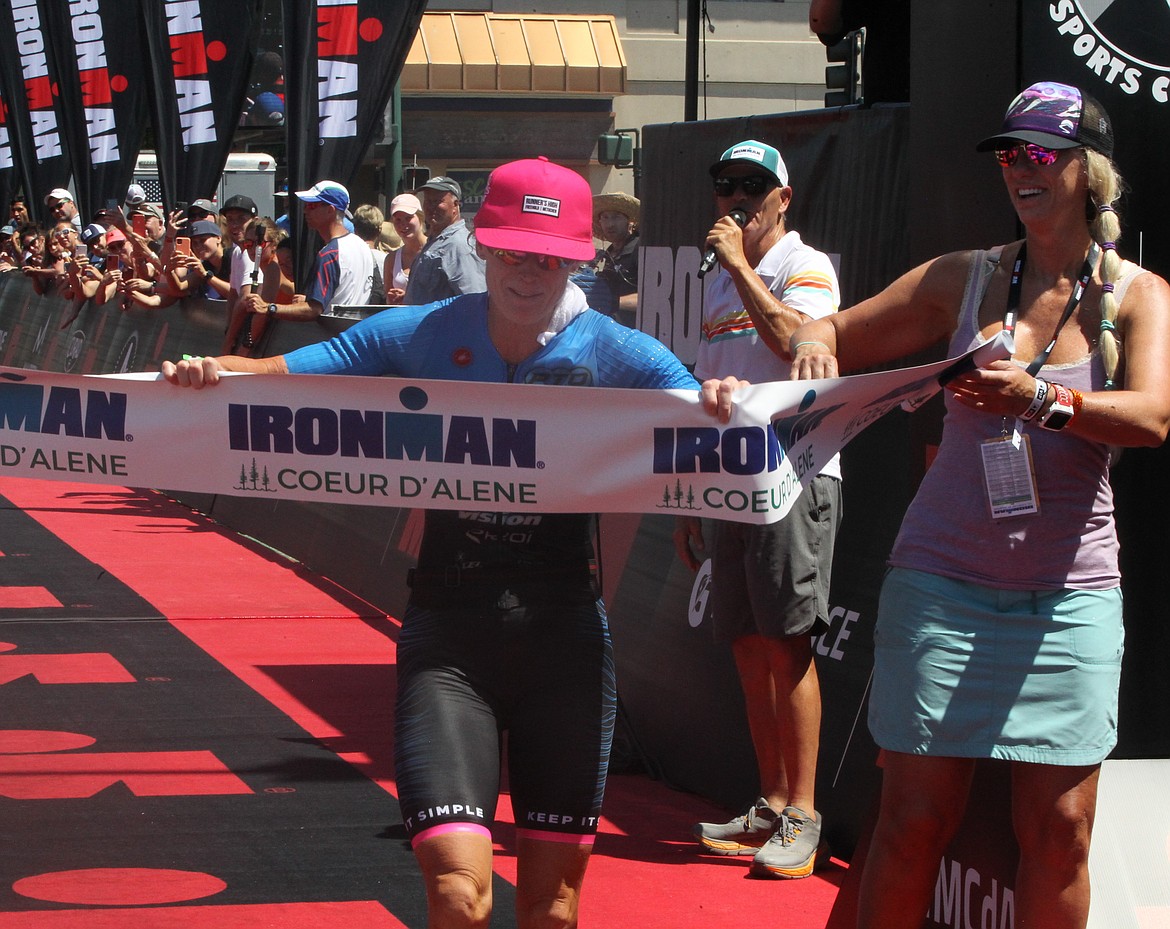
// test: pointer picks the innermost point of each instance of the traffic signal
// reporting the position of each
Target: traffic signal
(616, 149)
(414, 176)
(841, 79)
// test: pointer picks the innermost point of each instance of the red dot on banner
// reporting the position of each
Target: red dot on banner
(118, 83)
(119, 886)
(370, 29)
(216, 51)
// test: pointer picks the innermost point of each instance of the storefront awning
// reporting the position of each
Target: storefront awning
(503, 53)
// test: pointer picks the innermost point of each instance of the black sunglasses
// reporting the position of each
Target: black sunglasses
(753, 185)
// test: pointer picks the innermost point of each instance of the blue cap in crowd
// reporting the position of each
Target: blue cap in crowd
(326, 192)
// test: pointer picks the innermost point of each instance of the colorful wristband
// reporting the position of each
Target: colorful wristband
(1037, 401)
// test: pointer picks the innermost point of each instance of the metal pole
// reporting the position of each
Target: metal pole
(394, 169)
(691, 86)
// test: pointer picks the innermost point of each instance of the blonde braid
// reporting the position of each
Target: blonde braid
(1105, 187)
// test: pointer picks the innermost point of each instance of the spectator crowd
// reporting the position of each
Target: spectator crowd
(135, 255)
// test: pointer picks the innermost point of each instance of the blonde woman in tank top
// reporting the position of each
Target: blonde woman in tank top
(999, 628)
(407, 216)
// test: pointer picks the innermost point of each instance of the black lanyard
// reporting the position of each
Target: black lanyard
(1013, 301)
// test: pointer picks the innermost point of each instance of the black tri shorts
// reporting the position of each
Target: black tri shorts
(544, 674)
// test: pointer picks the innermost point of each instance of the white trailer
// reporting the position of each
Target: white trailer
(250, 173)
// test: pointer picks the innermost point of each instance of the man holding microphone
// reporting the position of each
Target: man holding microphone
(769, 584)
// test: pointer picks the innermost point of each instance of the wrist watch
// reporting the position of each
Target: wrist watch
(272, 309)
(1058, 415)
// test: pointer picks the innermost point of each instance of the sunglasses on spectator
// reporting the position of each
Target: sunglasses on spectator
(753, 185)
(1037, 154)
(115, 246)
(515, 259)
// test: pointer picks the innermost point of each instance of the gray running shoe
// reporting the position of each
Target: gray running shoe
(794, 848)
(744, 835)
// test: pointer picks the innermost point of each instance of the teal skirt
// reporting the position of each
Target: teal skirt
(969, 671)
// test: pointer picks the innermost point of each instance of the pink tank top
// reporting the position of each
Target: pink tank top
(948, 528)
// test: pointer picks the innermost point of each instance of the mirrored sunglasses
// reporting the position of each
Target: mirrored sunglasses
(753, 185)
(1037, 154)
(515, 259)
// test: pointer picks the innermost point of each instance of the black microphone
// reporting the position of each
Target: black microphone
(710, 259)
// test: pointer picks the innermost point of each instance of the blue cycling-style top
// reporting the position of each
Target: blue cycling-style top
(450, 341)
(486, 554)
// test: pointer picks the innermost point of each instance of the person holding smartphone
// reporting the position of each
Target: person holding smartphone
(76, 278)
(149, 225)
(67, 249)
(140, 260)
(144, 281)
(197, 265)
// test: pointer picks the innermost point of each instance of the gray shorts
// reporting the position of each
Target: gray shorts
(773, 580)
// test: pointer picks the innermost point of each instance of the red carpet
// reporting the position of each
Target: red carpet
(187, 715)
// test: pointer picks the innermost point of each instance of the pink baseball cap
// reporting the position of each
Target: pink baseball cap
(405, 203)
(536, 206)
(114, 234)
